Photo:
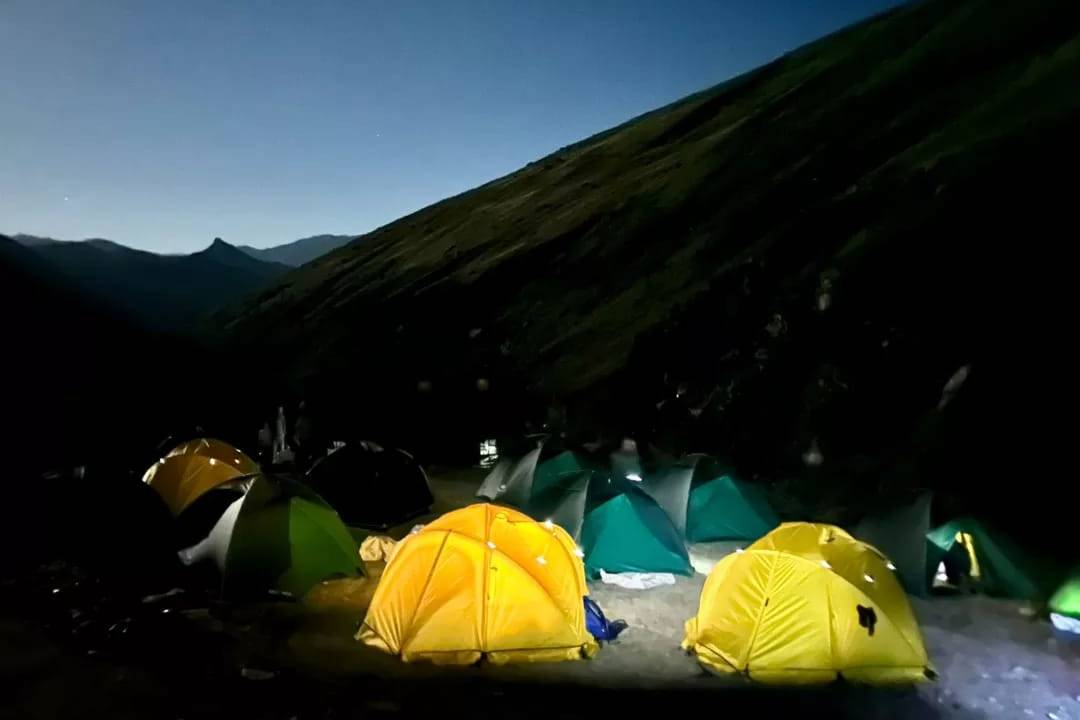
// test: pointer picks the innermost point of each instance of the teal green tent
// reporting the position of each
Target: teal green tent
(725, 508)
(629, 532)
(1065, 604)
(997, 566)
(624, 522)
(279, 536)
(965, 548)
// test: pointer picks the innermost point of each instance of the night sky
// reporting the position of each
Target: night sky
(163, 124)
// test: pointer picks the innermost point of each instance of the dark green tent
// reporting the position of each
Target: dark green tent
(624, 522)
(966, 547)
(998, 566)
(279, 536)
(725, 508)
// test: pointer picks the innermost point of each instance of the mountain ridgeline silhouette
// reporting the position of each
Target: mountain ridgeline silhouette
(162, 292)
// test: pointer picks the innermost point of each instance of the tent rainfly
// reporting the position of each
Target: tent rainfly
(808, 604)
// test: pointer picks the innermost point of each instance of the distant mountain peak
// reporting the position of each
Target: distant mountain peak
(219, 245)
(219, 249)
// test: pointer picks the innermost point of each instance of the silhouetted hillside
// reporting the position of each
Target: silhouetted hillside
(86, 384)
(163, 292)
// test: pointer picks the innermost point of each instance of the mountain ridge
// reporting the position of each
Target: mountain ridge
(162, 292)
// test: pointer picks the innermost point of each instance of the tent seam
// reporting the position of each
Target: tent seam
(523, 569)
(853, 586)
(423, 593)
(761, 614)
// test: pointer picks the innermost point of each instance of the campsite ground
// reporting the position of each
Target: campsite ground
(292, 661)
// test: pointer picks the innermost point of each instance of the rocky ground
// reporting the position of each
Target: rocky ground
(67, 650)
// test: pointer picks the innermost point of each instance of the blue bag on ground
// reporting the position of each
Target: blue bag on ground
(598, 625)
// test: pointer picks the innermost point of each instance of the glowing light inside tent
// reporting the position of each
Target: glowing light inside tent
(540, 559)
(1065, 623)
(489, 453)
(213, 461)
(633, 477)
(491, 544)
(941, 577)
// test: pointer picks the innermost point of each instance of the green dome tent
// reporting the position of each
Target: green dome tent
(722, 507)
(998, 567)
(630, 532)
(993, 564)
(278, 536)
(624, 522)
(725, 508)
(1065, 604)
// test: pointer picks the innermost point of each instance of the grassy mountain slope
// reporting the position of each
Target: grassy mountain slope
(300, 251)
(164, 292)
(799, 258)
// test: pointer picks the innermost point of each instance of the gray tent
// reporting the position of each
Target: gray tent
(901, 535)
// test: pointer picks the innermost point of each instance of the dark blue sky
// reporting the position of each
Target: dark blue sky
(162, 124)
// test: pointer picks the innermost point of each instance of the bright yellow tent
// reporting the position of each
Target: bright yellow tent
(194, 467)
(483, 581)
(808, 604)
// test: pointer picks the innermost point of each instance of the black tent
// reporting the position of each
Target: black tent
(371, 486)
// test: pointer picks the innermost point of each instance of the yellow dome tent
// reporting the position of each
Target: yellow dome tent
(808, 603)
(483, 581)
(191, 469)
